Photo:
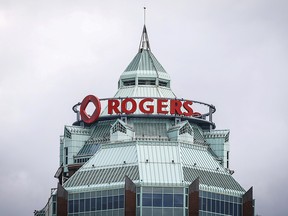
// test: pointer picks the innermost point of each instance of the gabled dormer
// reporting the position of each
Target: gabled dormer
(120, 131)
(181, 132)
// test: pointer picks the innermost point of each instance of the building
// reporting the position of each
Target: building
(148, 152)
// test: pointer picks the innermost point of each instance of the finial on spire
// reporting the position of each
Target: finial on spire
(144, 15)
(144, 43)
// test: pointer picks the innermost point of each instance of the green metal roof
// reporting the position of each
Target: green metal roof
(146, 61)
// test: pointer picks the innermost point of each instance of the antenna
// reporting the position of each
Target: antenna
(144, 15)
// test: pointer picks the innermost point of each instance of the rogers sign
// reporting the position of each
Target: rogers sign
(130, 106)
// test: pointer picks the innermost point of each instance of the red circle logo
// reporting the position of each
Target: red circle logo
(84, 116)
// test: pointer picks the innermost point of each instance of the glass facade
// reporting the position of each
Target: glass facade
(102, 203)
(162, 201)
(219, 204)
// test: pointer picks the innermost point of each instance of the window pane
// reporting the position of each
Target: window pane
(87, 205)
(147, 199)
(104, 203)
(178, 200)
(99, 203)
(82, 205)
(168, 200)
(76, 205)
(115, 202)
(93, 204)
(110, 202)
(70, 206)
(157, 200)
(121, 201)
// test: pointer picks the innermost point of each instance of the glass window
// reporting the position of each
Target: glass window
(82, 205)
(178, 190)
(209, 206)
(218, 206)
(87, 205)
(203, 204)
(178, 200)
(147, 189)
(115, 202)
(76, 205)
(222, 207)
(226, 208)
(93, 204)
(146, 211)
(157, 200)
(104, 203)
(167, 211)
(70, 208)
(147, 199)
(168, 200)
(178, 211)
(235, 212)
(99, 203)
(54, 208)
(213, 206)
(110, 202)
(231, 208)
(121, 201)
(157, 211)
(138, 199)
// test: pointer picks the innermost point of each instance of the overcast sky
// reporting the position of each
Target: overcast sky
(232, 54)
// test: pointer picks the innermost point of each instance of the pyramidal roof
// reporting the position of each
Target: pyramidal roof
(144, 76)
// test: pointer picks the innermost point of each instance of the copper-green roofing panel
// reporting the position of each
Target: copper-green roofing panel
(211, 178)
(100, 176)
(145, 60)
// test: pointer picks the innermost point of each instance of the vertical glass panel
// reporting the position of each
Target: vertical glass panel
(115, 212)
(99, 203)
(168, 200)
(115, 202)
(231, 208)
(87, 204)
(209, 205)
(226, 208)
(178, 200)
(178, 190)
(93, 204)
(167, 212)
(213, 206)
(70, 208)
(217, 206)
(138, 199)
(157, 190)
(235, 210)
(110, 202)
(121, 201)
(147, 189)
(178, 211)
(146, 211)
(81, 205)
(203, 204)
(222, 207)
(157, 211)
(240, 209)
(54, 208)
(147, 199)
(104, 203)
(76, 205)
(157, 200)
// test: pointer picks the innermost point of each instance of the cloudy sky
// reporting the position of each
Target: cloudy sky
(233, 54)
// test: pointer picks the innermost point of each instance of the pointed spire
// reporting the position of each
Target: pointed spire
(144, 43)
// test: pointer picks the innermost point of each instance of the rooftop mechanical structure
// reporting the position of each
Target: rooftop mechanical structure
(150, 156)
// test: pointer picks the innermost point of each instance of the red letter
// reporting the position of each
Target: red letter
(175, 107)
(150, 108)
(113, 106)
(187, 106)
(84, 116)
(160, 106)
(124, 106)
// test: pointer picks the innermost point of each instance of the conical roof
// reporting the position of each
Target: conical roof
(144, 76)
